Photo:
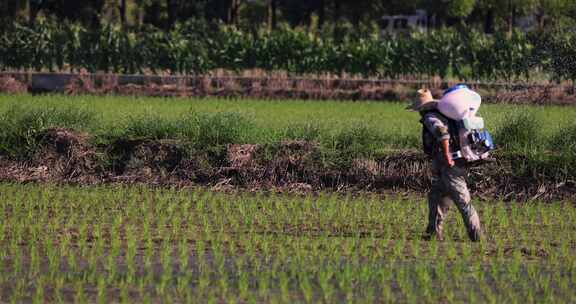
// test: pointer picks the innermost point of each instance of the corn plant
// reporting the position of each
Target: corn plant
(192, 49)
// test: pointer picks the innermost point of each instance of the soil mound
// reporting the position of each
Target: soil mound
(243, 166)
(67, 156)
(281, 165)
(146, 160)
(407, 169)
(294, 162)
(64, 155)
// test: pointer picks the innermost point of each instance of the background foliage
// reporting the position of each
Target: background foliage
(196, 48)
(466, 39)
(490, 15)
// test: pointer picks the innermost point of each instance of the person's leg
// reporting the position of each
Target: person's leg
(438, 209)
(437, 206)
(455, 182)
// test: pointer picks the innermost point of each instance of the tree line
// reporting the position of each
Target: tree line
(486, 15)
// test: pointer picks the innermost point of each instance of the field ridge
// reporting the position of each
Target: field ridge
(66, 156)
(279, 86)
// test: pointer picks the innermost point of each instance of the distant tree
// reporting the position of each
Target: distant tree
(392, 7)
(342, 15)
(117, 11)
(233, 10)
(172, 10)
(85, 12)
(453, 11)
(552, 11)
(506, 11)
(272, 14)
(122, 9)
(12, 9)
(297, 12)
(33, 9)
(460, 8)
(165, 13)
(321, 8)
(222, 10)
(363, 11)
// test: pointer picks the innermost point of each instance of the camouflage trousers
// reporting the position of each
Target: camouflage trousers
(449, 185)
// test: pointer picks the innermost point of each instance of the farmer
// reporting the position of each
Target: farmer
(448, 175)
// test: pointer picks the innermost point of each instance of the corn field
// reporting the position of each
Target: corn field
(193, 48)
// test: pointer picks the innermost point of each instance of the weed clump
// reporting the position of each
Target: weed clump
(564, 141)
(356, 141)
(201, 129)
(152, 127)
(220, 129)
(306, 131)
(519, 132)
(21, 128)
(205, 133)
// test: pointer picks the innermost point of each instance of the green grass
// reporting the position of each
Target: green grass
(272, 117)
(136, 244)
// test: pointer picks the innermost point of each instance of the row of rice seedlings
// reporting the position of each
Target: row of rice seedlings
(120, 243)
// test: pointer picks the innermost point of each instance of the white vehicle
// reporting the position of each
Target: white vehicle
(404, 23)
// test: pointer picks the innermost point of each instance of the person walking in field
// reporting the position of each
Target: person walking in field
(439, 137)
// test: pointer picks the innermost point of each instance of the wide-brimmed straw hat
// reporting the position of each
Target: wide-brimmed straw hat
(424, 100)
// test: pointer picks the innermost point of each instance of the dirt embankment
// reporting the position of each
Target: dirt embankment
(66, 156)
(276, 87)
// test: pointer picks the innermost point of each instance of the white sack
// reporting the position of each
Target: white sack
(460, 103)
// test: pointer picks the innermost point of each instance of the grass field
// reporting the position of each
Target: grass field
(136, 244)
(397, 128)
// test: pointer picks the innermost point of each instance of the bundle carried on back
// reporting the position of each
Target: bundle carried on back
(470, 140)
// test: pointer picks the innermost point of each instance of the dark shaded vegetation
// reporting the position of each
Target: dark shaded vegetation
(186, 49)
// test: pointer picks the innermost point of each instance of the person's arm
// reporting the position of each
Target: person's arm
(440, 131)
(445, 145)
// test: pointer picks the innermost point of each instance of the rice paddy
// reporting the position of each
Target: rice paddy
(137, 244)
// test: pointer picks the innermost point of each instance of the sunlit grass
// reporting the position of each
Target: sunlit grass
(388, 118)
